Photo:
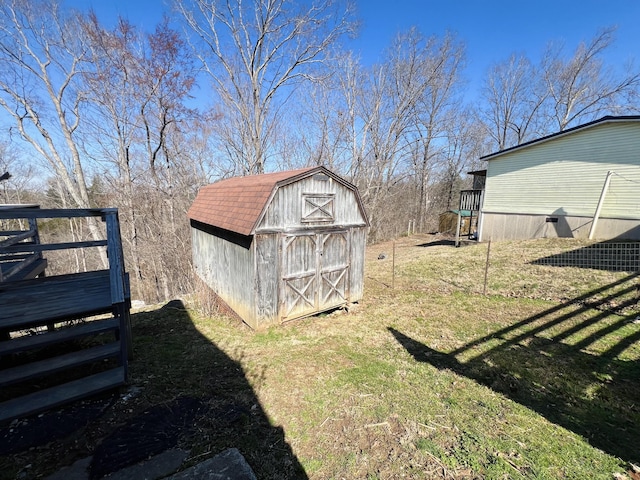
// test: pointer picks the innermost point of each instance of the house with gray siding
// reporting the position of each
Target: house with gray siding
(582, 183)
(280, 246)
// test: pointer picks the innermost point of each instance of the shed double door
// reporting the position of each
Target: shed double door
(315, 270)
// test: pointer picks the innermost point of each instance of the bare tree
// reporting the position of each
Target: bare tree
(513, 98)
(339, 127)
(139, 83)
(43, 53)
(464, 142)
(582, 88)
(383, 127)
(384, 113)
(319, 128)
(402, 112)
(437, 112)
(326, 116)
(114, 129)
(523, 101)
(15, 175)
(256, 52)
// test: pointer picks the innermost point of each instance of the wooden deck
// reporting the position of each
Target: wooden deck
(44, 300)
(470, 200)
(18, 259)
(31, 365)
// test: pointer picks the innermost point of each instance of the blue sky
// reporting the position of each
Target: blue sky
(491, 29)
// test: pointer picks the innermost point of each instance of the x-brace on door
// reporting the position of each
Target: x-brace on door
(315, 270)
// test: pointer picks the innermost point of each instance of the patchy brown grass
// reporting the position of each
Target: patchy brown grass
(428, 379)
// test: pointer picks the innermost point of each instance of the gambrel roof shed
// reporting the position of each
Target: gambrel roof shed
(296, 237)
(235, 204)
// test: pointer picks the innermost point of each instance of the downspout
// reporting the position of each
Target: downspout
(596, 215)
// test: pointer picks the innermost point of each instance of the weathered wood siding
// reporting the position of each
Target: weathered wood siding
(306, 254)
(356, 276)
(316, 231)
(229, 269)
(306, 272)
(292, 206)
(267, 282)
(299, 282)
(565, 175)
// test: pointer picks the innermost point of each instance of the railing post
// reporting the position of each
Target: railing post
(119, 290)
(33, 225)
(114, 252)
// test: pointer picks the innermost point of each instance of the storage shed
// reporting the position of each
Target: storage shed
(448, 221)
(280, 246)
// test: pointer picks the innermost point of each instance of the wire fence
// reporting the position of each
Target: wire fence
(554, 269)
(563, 270)
(611, 256)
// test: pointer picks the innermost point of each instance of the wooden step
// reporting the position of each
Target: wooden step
(93, 327)
(61, 394)
(28, 268)
(47, 299)
(40, 368)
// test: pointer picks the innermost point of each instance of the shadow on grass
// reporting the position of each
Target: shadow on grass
(174, 360)
(614, 256)
(439, 243)
(595, 396)
(184, 392)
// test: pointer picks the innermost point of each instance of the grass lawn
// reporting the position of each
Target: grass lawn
(426, 378)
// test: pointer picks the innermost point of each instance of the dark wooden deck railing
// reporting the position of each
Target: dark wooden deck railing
(29, 299)
(470, 200)
(22, 261)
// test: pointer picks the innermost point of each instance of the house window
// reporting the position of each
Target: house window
(317, 207)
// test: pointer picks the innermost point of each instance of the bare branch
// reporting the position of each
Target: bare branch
(256, 52)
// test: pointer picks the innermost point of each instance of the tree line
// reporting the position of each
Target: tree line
(139, 120)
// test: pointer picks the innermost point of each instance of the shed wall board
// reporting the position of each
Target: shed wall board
(358, 243)
(267, 279)
(565, 175)
(228, 269)
(448, 223)
(315, 272)
(335, 274)
(286, 210)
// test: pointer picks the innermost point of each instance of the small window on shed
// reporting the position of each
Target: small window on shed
(317, 207)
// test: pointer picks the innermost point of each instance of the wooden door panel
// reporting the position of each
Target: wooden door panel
(299, 254)
(334, 269)
(299, 282)
(299, 295)
(315, 273)
(333, 287)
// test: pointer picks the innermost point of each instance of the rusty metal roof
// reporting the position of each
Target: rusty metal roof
(236, 204)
